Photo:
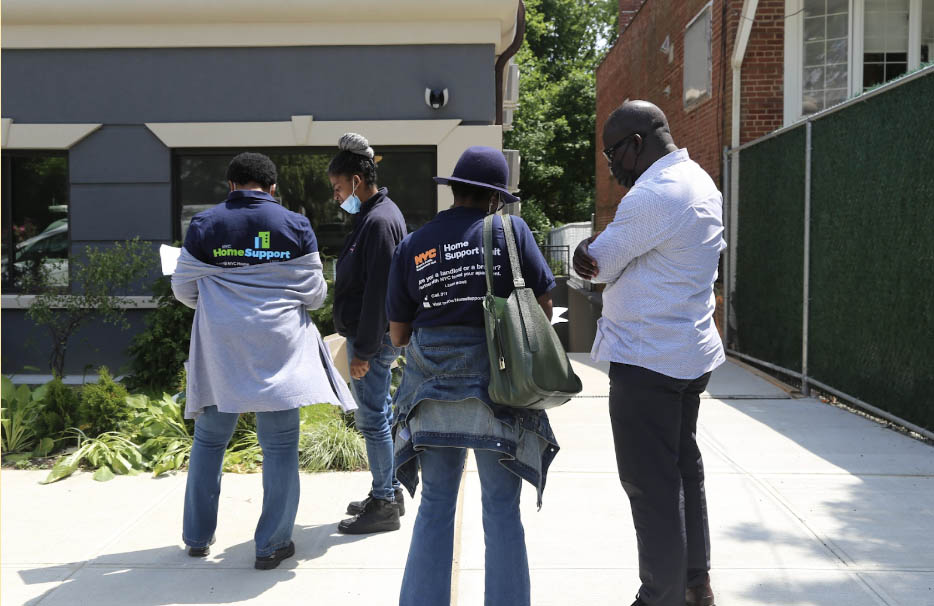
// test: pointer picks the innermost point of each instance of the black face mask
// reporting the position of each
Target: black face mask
(626, 178)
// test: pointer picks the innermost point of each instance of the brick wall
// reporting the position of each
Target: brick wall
(636, 68)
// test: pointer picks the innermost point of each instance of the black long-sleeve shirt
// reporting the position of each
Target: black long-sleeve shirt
(362, 274)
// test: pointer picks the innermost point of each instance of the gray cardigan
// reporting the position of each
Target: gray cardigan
(254, 348)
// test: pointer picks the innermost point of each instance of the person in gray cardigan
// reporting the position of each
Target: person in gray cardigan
(251, 270)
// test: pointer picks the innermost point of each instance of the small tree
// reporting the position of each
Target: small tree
(99, 281)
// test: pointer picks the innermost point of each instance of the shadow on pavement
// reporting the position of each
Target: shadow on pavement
(166, 575)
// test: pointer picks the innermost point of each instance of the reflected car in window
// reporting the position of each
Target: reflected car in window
(46, 252)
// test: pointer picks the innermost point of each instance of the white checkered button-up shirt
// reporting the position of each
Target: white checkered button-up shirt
(659, 258)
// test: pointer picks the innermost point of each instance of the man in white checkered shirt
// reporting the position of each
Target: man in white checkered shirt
(659, 259)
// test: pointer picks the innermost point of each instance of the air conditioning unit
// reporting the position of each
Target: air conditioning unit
(512, 159)
(508, 114)
(511, 92)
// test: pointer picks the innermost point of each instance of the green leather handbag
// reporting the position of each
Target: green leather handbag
(528, 366)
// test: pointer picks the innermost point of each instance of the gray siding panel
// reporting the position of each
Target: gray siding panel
(120, 154)
(26, 345)
(131, 86)
(118, 211)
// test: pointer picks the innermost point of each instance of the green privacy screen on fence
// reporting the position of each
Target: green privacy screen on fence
(872, 251)
(770, 248)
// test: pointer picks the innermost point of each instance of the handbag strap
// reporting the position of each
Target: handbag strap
(488, 253)
(517, 280)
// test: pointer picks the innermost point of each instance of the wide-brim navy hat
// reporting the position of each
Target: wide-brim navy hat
(484, 167)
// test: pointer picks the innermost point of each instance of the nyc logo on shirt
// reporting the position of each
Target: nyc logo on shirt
(425, 259)
(260, 250)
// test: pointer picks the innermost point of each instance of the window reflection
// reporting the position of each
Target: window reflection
(304, 187)
(35, 222)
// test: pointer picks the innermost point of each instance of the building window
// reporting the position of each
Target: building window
(697, 59)
(826, 50)
(885, 43)
(304, 187)
(35, 221)
(927, 32)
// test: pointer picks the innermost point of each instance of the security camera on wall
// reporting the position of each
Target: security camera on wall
(435, 98)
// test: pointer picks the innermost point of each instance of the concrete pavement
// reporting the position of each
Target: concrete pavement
(809, 505)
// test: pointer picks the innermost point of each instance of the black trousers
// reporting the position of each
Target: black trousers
(654, 419)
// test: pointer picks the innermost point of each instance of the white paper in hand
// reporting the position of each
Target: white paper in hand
(556, 313)
(169, 256)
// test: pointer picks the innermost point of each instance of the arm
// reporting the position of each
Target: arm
(547, 305)
(378, 253)
(640, 225)
(584, 264)
(400, 333)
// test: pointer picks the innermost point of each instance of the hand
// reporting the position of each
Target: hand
(359, 368)
(584, 264)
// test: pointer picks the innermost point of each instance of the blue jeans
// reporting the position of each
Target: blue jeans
(427, 579)
(278, 436)
(374, 416)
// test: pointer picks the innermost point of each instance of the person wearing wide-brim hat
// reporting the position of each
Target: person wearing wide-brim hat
(436, 287)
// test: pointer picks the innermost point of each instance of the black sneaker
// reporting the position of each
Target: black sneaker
(271, 561)
(377, 516)
(201, 552)
(357, 507)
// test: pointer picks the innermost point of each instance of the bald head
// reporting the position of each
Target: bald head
(635, 136)
(638, 117)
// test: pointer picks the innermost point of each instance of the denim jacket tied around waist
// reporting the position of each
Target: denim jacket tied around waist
(443, 401)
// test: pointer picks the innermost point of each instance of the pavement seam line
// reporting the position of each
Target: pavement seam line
(458, 527)
(840, 555)
(113, 538)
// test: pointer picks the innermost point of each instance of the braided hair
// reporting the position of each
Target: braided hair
(354, 158)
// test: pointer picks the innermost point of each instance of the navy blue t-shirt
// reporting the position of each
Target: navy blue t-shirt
(247, 228)
(437, 276)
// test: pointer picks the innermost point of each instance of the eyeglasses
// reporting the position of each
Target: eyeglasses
(611, 150)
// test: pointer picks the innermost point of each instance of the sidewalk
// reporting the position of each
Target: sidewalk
(809, 505)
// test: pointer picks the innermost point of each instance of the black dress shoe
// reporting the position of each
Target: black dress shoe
(377, 516)
(702, 595)
(201, 552)
(357, 507)
(271, 561)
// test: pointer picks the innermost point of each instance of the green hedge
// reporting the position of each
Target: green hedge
(872, 251)
(770, 248)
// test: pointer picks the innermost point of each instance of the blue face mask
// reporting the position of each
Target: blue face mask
(352, 204)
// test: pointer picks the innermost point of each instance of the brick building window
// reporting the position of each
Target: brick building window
(826, 54)
(698, 60)
(836, 49)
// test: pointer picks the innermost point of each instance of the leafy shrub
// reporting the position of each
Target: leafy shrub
(103, 406)
(159, 352)
(109, 453)
(17, 417)
(331, 446)
(323, 317)
(245, 455)
(57, 410)
(103, 274)
(165, 434)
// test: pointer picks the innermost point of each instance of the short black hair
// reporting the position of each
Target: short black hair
(250, 167)
(348, 164)
(472, 194)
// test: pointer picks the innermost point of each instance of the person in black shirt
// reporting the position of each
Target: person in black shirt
(360, 285)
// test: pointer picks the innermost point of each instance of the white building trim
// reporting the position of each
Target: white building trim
(226, 23)
(43, 136)
(26, 301)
